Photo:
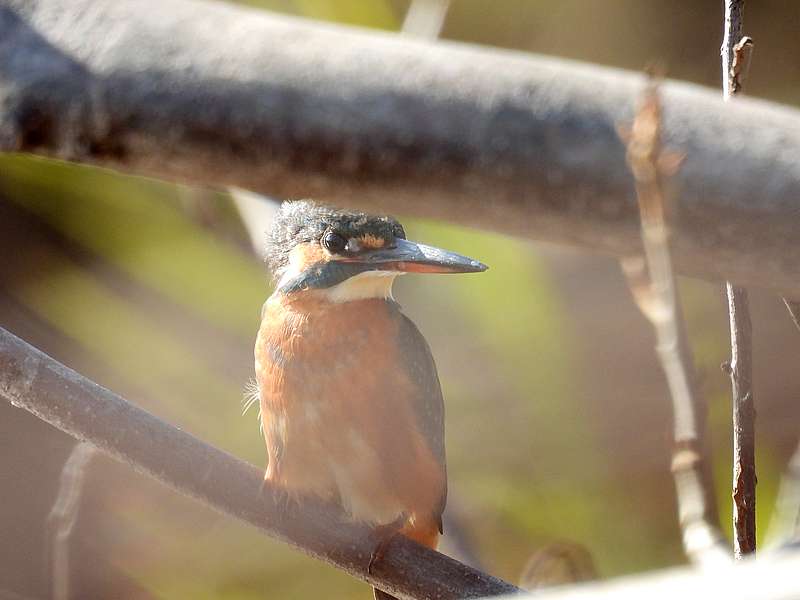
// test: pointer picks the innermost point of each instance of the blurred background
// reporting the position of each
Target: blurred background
(558, 418)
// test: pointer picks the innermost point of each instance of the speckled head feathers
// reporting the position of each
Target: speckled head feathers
(305, 221)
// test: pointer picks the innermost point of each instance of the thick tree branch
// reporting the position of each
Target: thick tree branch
(219, 94)
(31, 380)
(652, 282)
(735, 52)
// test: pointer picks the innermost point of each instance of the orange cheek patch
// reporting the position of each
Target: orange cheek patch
(304, 255)
(371, 241)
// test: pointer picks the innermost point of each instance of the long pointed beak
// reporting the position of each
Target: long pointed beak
(410, 257)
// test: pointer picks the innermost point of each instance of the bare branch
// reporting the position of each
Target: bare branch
(656, 296)
(744, 416)
(736, 51)
(732, 29)
(63, 516)
(256, 212)
(219, 94)
(739, 69)
(794, 311)
(425, 18)
(32, 380)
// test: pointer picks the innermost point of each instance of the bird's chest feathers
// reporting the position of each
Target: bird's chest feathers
(338, 408)
(318, 354)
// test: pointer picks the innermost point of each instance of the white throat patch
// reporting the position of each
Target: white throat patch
(369, 284)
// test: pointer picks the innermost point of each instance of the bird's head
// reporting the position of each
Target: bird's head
(348, 255)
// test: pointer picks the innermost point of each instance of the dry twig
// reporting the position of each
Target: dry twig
(63, 516)
(425, 18)
(656, 296)
(31, 380)
(794, 310)
(736, 51)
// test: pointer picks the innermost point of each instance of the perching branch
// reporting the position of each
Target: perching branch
(31, 380)
(656, 295)
(736, 51)
(219, 94)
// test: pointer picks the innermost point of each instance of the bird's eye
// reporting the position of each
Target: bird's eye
(399, 232)
(333, 242)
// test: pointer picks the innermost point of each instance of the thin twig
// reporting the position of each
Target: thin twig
(736, 51)
(744, 456)
(732, 35)
(32, 380)
(256, 213)
(63, 516)
(425, 18)
(656, 296)
(794, 310)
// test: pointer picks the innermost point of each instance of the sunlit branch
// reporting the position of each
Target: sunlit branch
(35, 382)
(506, 141)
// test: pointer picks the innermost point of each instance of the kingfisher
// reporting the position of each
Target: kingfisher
(351, 405)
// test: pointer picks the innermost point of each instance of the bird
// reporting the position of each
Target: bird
(350, 402)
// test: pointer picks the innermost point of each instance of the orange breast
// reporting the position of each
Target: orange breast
(336, 411)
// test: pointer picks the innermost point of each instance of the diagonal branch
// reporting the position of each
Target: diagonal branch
(794, 311)
(219, 94)
(31, 380)
(655, 293)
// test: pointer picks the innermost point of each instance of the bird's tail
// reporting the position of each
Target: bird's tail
(381, 595)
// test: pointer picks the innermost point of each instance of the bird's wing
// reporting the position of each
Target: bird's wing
(428, 403)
